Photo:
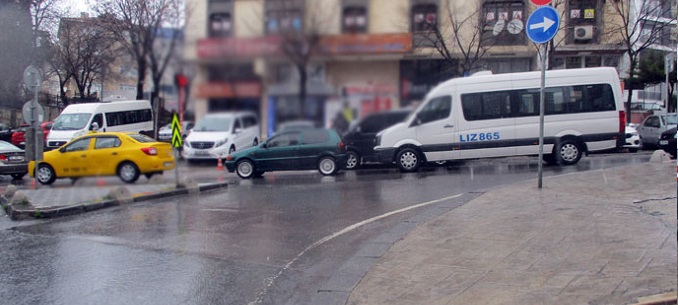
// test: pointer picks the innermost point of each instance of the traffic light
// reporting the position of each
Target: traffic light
(181, 80)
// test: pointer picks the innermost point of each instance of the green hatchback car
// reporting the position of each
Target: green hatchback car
(304, 149)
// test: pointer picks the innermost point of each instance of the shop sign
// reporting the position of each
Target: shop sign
(243, 89)
(366, 44)
(328, 45)
(240, 47)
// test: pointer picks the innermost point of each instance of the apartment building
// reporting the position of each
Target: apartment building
(369, 55)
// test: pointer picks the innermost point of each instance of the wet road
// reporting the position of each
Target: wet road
(290, 238)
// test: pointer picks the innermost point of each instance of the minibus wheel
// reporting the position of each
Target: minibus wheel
(568, 152)
(408, 159)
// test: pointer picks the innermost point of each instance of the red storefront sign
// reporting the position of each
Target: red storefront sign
(229, 90)
(328, 45)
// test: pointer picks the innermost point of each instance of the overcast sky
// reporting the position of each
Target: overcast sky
(77, 6)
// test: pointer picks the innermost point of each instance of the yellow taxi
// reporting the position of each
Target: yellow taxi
(126, 155)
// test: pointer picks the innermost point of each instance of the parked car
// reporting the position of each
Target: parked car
(165, 132)
(316, 148)
(653, 126)
(219, 134)
(667, 141)
(632, 139)
(5, 132)
(126, 155)
(12, 161)
(361, 135)
(19, 134)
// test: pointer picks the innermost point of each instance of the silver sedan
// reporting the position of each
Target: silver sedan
(12, 161)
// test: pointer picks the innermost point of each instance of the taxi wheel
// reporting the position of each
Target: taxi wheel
(327, 166)
(245, 169)
(128, 172)
(46, 174)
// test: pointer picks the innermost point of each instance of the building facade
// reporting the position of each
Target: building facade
(369, 55)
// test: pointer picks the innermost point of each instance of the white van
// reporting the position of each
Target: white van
(498, 116)
(217, 135)
(78, 119)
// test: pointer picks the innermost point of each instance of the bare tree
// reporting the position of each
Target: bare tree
(639, 28)
(300, 28)
(136, 24)
(84, 53)
(461, 42)
(16, 38)
(166, 34)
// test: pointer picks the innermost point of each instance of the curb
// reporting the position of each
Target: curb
(43, 213)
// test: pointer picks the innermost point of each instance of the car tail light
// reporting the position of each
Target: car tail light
(341, 146)
(3, 158)
(151, 151)
(622, 121)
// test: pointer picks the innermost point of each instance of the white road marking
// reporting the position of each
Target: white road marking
(350, 228)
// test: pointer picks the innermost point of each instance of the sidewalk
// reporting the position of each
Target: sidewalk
(51, 201)
(600, 237)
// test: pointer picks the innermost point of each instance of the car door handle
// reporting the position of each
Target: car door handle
(115, 154)
(83, 156)
(448, 126)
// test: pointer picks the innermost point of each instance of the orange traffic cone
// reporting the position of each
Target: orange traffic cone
(32, 184)
(100, 181)
(220, 165)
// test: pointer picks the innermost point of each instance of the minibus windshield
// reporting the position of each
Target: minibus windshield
(71, 121)
(214, 124)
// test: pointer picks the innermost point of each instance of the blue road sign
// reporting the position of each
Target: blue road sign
(543, 24)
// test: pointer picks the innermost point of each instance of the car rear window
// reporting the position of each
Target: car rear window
(141, 138)
(314, 136)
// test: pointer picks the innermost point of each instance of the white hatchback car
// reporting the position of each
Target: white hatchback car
(652, 127)
(217, 135)
(632, 139)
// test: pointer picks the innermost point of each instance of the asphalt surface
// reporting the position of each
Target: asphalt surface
(605, 236)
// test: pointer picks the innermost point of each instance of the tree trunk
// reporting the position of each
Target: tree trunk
(302, 90)
(632, 68)
(141, 77)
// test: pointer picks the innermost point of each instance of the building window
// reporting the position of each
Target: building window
(354, 19)
(503, 23)
(424, 21)
(585, 61)
(220, 25)
(424, 17)
(284, 21)
(583, 20)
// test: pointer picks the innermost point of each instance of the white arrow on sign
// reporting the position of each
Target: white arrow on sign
(547, 24)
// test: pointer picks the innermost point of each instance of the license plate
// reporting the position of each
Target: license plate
(167, 164)
(664, 142)
(16, 158)
(202, 153)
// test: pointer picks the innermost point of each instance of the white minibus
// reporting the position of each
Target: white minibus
(498, 116)
(78, 119)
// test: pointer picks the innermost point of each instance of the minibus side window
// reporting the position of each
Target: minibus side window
(437, 109)
(99, 119)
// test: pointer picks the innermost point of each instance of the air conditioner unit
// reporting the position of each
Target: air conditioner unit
(583, 32)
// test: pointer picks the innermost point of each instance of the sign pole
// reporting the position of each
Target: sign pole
(541, 27)
(177, 142)
(542, 54)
